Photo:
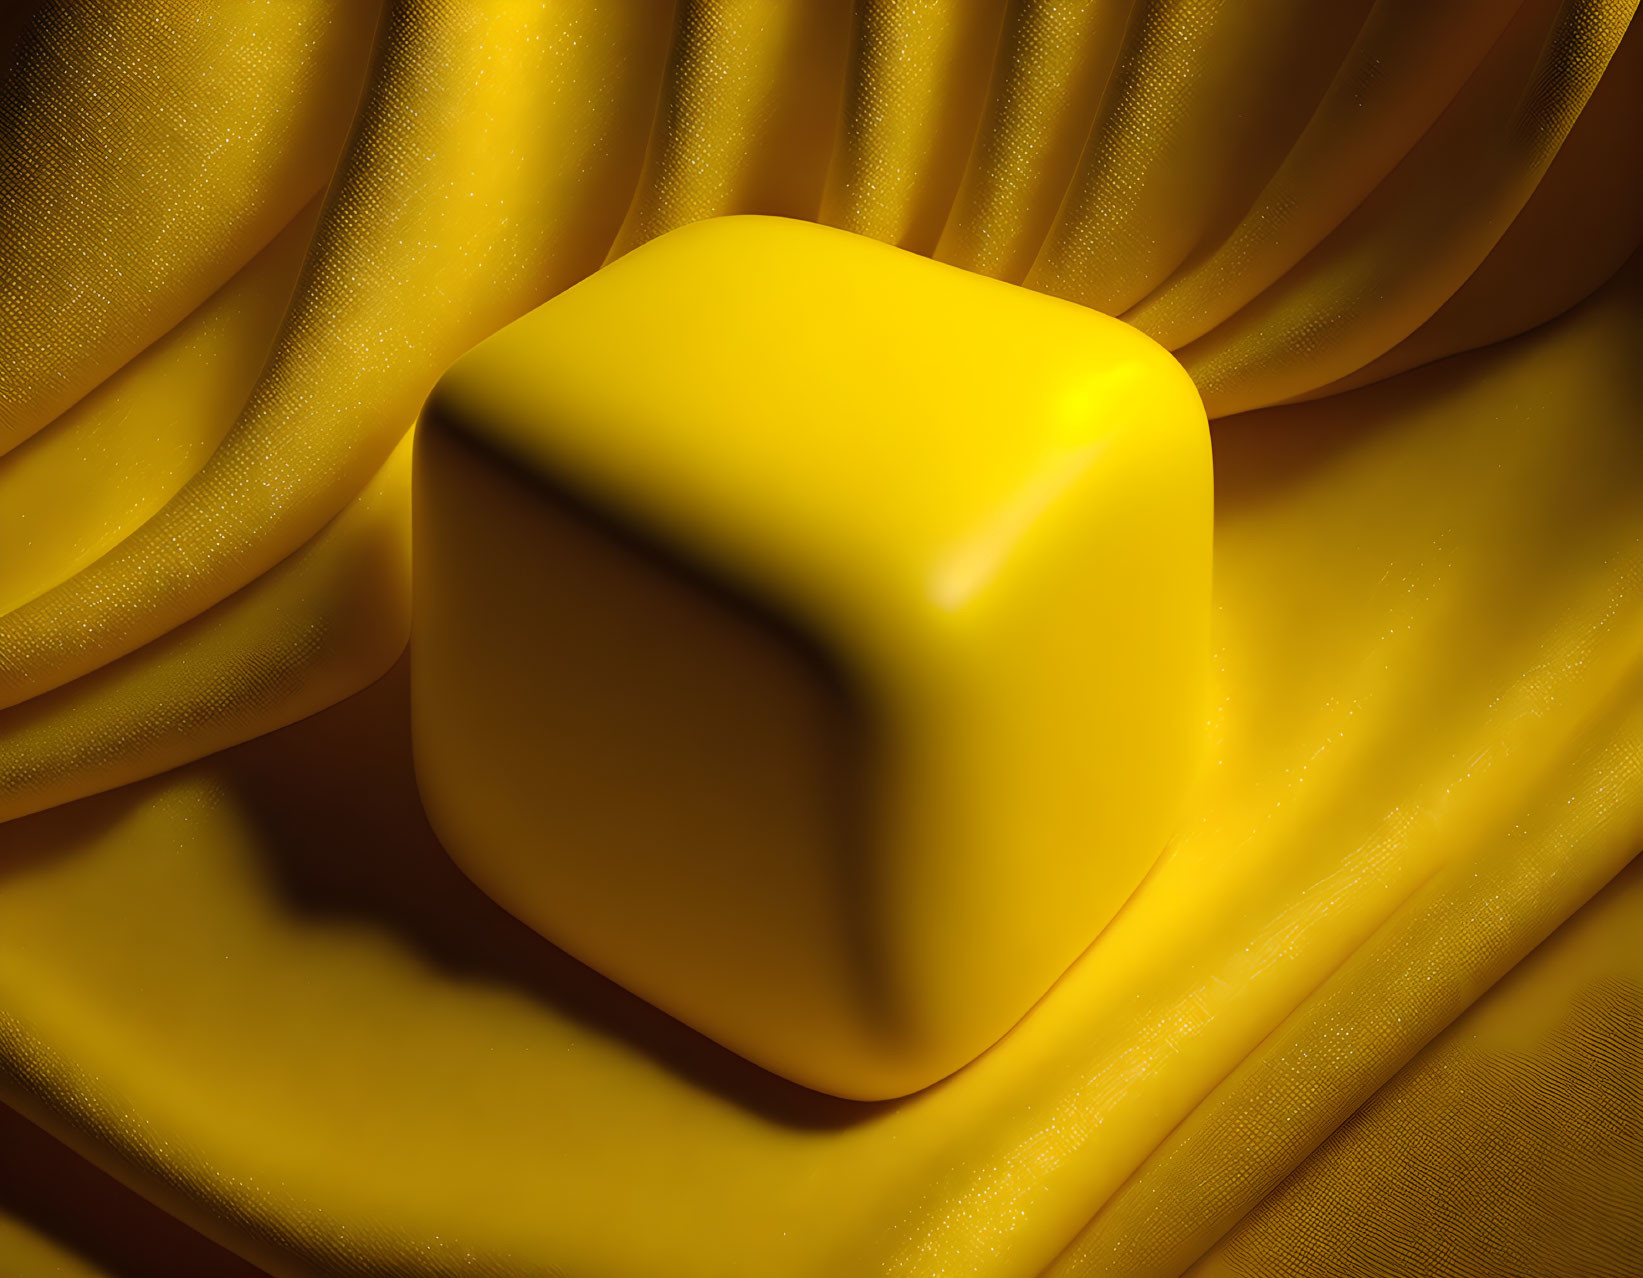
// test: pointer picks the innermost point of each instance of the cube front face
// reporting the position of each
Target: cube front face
(655, 777)
(812, 637)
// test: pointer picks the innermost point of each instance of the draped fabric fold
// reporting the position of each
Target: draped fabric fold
(237, 247)
(1508, 1144)
(150, 151)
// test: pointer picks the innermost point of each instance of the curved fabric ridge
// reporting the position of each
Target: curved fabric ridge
(62, 1217)
(320, 626)
(1425, 229)
(1206, 97)
(441, 226)
(146, 154)
(1406, 65)
(912, 104)
(1052, 66)
(210, 979)
(1583, 222)
(77, 487)
(1427, 966)
(749, 105)
(1509, 1145)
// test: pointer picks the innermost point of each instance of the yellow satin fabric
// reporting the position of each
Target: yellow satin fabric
(1428, 592)
(440, 225)
(1508, 1145)
(60, 1217)
(299, 1027)
(150, 151)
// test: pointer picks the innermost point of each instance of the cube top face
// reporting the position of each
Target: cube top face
(724, 384)
(812, 637)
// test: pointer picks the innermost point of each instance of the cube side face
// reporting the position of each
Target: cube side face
(660, 781)
(1045, 770)
(934, 781)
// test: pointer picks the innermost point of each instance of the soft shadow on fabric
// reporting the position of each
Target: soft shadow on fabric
(346, 837)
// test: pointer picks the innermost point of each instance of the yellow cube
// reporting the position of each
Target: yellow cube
(812, 637)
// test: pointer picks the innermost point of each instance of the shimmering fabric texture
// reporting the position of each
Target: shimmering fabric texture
(1373, 1011)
